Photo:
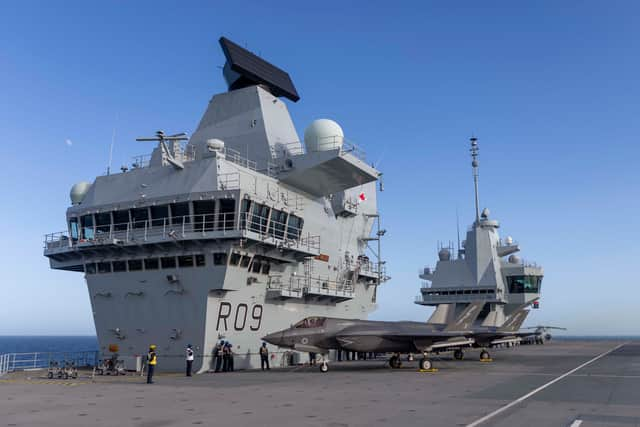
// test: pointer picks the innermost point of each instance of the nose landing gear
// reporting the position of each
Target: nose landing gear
(485, 356)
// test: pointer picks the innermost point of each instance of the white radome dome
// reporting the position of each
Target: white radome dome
(323, 135)
(78, 191)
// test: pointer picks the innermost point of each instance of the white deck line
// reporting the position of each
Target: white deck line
(539, 389)
(576, 423)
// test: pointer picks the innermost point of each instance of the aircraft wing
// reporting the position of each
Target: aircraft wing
(402, 337)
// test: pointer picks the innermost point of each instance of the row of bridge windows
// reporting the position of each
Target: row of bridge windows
(524, 284)
(254, 264)
(201, 215)
(463, 292)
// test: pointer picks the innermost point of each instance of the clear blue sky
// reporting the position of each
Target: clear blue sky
(550, 88)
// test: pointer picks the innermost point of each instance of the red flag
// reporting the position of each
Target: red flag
(362, 197)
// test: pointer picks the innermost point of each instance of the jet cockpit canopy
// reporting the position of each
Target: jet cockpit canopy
(310, 322)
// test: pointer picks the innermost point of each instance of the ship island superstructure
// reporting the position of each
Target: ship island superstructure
(238, 231)
(486, 268)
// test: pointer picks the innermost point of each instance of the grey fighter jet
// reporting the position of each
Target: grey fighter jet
(540, 333)
(321, 334)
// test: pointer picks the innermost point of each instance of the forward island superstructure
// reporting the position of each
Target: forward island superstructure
(233, 233)
(486, 268)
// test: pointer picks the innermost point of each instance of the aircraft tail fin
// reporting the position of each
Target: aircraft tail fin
(465, 320)
(513, 322)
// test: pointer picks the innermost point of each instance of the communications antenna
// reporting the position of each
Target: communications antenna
(474, 164)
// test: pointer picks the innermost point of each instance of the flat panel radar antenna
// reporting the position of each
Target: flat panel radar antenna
(474, 164)
(244, 69)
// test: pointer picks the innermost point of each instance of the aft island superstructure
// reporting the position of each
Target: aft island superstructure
(486, 268)
(233, 233)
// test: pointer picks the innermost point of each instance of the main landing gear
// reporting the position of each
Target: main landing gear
(458, 354)
(425, 364)
(484, 356)
(394, 361)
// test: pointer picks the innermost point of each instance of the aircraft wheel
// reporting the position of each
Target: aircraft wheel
(458, 355)
(66, 376)
(484, 354)
(394, 362)
(425, 364)
(50, 375)
(324, 367)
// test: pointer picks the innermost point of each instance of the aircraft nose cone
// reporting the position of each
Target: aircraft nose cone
(275, 338)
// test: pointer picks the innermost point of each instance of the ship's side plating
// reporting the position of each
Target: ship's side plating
(239, 232)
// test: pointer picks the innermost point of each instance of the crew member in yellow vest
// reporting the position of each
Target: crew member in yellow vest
(152, 360)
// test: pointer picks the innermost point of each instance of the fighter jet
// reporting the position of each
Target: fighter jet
(321, 334)
(540, 333)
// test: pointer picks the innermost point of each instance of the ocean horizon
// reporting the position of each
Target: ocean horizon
(78, 343)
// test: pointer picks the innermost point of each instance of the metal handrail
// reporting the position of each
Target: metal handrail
(307, 282)
(11, 362)
(285, 235)
(328, 143)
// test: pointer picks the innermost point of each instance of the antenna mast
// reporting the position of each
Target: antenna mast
(474, 164)
(458, 230)
(113, 141)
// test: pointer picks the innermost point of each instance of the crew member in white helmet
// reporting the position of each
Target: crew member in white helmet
(189, 359)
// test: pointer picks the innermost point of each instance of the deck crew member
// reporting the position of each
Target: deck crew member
(152, 360)
(264, 356)
(218, 353)
(225, 357)
(230, 357)
(190, 358)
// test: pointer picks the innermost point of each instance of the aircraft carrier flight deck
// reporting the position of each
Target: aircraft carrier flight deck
(563, 383)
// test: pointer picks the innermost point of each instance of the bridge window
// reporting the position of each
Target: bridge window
(245, 261)
(159, 215)
(234, 259)
(120, 220)
(200, 260)
(259, 218)
(203, 215)
(73, 225)
(135, 264)
(103, 222)
(256, 265)
(139, 217)
(185, 261)
(226, 217)
(524, 284)
(294, 227)
(90, 268)
(180, 213)
(245, 209)
(219, 258)
(87, 227)
(266, 267)
(168, 262)
(104, 267)
(151, 264)
(277, 224)
(119, 266)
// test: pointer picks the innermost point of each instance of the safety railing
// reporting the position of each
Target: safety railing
(11, 362)
(310, 285)
(283, 235)
(186, 153)
(328, 143)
